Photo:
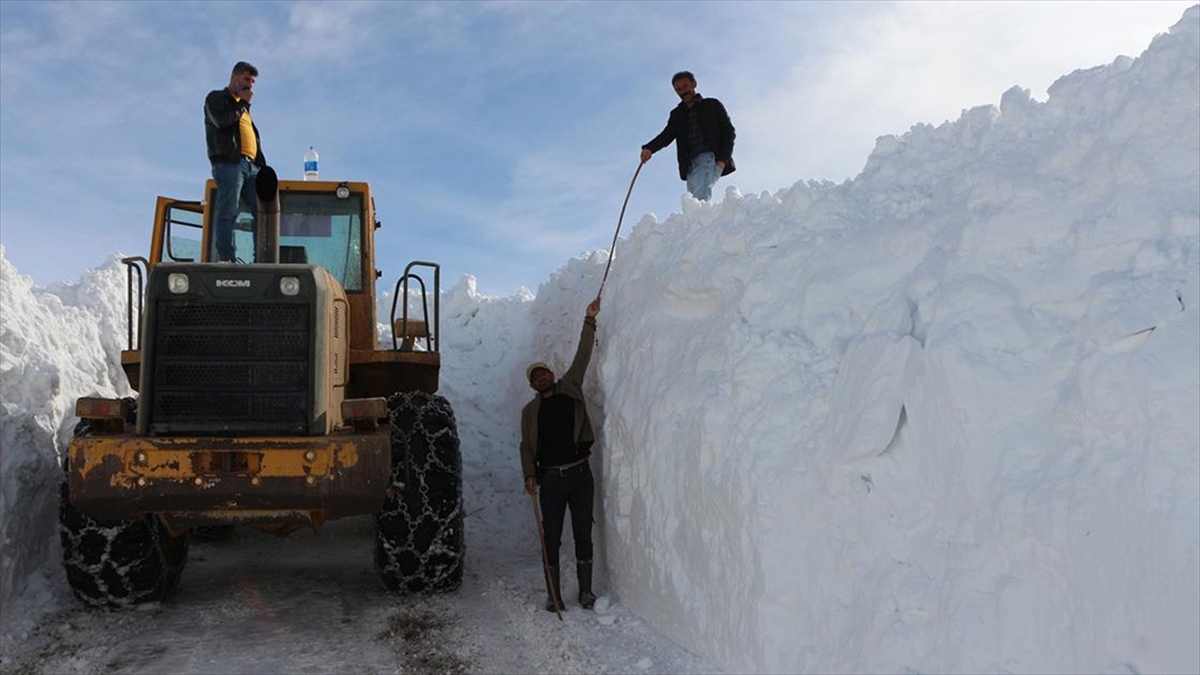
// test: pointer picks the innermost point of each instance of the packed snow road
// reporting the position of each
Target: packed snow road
(254, 602)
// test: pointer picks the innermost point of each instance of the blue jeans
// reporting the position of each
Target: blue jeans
(703, 175)
(234, 181)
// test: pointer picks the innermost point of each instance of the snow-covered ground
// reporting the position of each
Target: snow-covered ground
(939, 418)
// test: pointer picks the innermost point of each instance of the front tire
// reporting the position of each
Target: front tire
(419, 535)
(117, 562)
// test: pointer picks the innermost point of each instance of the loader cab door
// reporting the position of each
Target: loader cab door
(178, 231)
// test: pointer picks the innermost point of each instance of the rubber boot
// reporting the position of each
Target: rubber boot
(554, 592)
(583, 570)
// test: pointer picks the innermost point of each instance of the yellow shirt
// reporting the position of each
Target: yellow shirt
(246, 129)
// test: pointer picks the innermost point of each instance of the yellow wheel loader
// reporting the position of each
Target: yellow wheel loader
(265, 399)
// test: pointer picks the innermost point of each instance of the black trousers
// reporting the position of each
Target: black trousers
(574, 489)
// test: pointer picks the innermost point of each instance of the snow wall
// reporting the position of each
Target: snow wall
(941, 417)
(56, 344)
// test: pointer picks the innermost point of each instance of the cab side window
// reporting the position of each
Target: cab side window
(184, 229)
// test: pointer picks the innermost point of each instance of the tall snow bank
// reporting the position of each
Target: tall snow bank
(56, 344)
(941, 417)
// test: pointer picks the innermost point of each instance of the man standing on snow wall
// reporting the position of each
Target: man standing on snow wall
(703, 137)
(556, 440)
(235, 152)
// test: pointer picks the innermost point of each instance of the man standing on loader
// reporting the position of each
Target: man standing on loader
(235, 152)
(703, 137)
(556, 440)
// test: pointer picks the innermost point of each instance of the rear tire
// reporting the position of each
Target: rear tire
(419, 535)
(117, 562)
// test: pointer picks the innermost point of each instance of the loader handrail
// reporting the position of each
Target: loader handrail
(131, 266)
(407, 344)
(433, 338)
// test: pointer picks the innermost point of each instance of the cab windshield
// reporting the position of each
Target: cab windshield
(315, 229)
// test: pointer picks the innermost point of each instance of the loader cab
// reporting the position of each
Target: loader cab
(317, 227)
(321, 223)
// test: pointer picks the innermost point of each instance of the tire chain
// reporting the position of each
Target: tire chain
(117, 562)
(419, 536)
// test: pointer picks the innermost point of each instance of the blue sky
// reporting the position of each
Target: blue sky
(499, 137)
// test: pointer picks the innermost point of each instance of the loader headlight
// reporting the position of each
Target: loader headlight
(343, 191)
(177, 282)
(289, 285)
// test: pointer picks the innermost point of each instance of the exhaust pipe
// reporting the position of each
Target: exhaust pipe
(266, 240)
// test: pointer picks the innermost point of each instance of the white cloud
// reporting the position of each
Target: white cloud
(328, 30)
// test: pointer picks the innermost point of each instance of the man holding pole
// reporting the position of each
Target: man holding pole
(703, 137)
(556, 441)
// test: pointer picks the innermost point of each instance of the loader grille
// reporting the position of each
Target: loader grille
(231, 368)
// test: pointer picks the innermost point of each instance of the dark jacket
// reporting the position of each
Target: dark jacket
(571, 384)
(222, 112)
(714, 124)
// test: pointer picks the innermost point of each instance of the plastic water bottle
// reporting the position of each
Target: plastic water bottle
(311, 172)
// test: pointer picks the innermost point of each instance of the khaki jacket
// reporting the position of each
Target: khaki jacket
(570, 384)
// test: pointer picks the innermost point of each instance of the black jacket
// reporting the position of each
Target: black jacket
(222, 113)
(714, 124)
